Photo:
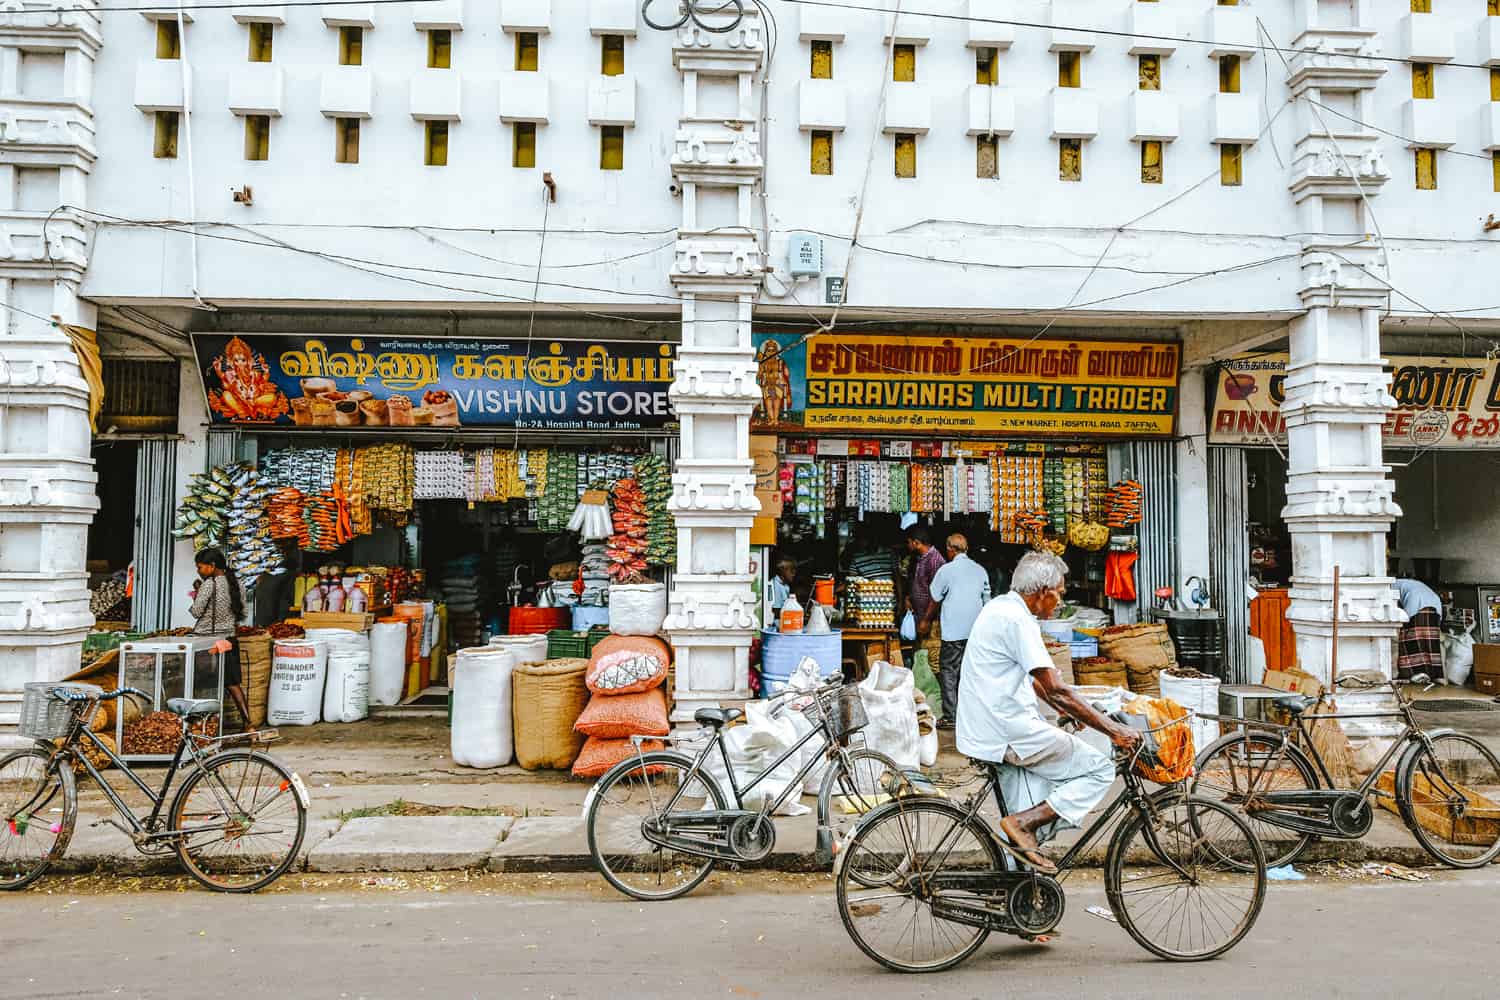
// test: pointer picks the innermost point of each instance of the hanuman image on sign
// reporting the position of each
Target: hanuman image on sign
(775, 381)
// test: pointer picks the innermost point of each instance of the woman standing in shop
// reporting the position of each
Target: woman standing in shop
(219, 607)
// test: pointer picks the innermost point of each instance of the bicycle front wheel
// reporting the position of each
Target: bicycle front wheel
(1241, 768)
(1450, 795)
(886, 895)
(38, 807)
(1182, 899)
(240, 820)
(637, 790)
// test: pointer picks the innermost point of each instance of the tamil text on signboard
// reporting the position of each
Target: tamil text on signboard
(1440, 402)
(368, 382)
(876, 382)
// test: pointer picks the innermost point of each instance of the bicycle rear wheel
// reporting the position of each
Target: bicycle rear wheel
(853, 785)
(1228, 772)
(883, 885)
(240, 820)
(38, 807)
(1183, 899)
(638, 790)
(1449, 794)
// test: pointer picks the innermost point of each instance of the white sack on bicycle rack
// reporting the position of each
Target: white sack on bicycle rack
(752, 748)
(1199, 695)
(346, 693)
(482, 735)
(806, 677)
(1458, 656)
(298, 669)
(892, 710)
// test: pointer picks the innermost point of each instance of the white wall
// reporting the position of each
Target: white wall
(1039, 235)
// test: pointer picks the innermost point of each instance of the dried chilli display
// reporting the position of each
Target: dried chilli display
(627, 546)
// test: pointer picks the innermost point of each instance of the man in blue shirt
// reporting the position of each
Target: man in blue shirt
(960, 589)
(1420, 642)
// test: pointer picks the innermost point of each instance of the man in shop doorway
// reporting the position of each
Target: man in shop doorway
(926, 561)
(781, 584)
(1054, 777)
(960, 590)
(1420, 641)
(274, 588)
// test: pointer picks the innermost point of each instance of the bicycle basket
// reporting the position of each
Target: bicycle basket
(44, 717)
(846, 712)
(1166, 755)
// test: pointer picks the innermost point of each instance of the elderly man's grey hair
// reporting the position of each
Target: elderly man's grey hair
(1038, 571)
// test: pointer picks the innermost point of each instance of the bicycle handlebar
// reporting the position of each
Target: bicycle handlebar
(63, 695)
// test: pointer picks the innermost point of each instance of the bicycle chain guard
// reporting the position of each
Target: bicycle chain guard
(752, 837)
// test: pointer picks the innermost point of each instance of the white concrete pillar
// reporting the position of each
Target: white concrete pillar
(1339, 499)
(47, 480)
(717, 267)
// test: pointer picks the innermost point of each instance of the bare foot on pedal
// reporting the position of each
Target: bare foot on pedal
(1026, 846)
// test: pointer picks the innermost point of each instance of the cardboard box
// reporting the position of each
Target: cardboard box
(1487, 683)
(763, 531)
(1487, 659)
(1298, 681)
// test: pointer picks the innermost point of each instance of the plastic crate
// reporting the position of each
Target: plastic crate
(44, 717)
(565, 644)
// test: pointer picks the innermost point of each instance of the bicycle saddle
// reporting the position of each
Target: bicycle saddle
(716, 717)
(188, 707)
(1295, 703)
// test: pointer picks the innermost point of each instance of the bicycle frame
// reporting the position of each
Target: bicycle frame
(141, 831)
(1131, 797)
(821, 729)
(1282, 732)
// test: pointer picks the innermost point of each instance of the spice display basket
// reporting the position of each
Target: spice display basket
(185, 667)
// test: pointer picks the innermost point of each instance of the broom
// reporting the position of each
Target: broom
(1328, 737)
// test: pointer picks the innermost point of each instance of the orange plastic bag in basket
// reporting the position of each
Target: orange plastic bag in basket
(1174, 744)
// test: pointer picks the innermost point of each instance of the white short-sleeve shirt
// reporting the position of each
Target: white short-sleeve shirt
(997, 707)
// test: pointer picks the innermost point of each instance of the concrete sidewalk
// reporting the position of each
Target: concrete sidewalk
(532, 821)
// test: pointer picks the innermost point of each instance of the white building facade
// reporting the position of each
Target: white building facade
(1309, 176)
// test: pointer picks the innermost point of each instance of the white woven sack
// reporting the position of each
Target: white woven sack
(637, 608)
(298, 669)
(346, 693)
(387, 662)
(482, 734)
(1198, 695)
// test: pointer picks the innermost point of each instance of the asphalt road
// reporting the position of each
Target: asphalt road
(760, 937)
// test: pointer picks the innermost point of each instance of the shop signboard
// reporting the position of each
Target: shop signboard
(1440, 402)
(411, 384)
(963, 386)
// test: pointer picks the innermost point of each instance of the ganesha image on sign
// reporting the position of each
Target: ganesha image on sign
(246, 392)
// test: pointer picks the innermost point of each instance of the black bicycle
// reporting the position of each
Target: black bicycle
(659, 822)
(236, 822)
(925, 880)
(1445, 784)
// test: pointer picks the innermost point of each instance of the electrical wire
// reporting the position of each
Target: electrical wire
(1115, 33)
(536, 293)
(864, 184)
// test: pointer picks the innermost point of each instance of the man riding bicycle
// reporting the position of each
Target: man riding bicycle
(1006, 668)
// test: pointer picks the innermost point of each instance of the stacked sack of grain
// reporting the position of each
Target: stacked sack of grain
(1145, 650)
(625, 676)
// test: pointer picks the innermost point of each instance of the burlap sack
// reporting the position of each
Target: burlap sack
(1100, 671)
(547, 699)
(255, 674)
(1145, 650)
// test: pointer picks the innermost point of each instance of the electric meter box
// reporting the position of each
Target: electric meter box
(804, 255)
